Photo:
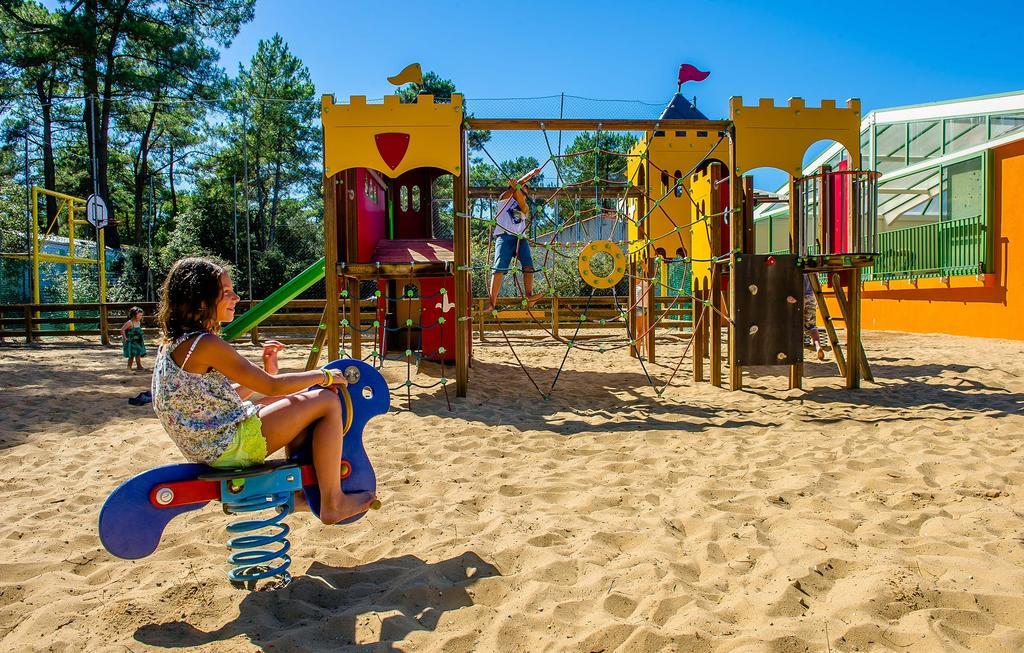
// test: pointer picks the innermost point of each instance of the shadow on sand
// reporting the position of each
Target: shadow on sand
(322, 608)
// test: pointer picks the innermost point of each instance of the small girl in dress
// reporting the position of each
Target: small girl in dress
(132, 344)
(208, 416)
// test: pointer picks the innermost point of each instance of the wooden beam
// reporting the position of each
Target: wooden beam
(313, 360)
(394, 270)
(591, 124)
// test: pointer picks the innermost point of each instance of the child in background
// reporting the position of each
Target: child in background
(209, 418)
(133, 346)
(811, 319)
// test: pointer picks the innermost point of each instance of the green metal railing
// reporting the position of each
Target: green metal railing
(952, 248)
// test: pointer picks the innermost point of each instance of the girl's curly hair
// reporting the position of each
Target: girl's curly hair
(188, 300)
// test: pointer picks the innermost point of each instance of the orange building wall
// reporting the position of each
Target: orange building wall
(991, 308)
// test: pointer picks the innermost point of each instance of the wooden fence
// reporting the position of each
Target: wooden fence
(298, 321)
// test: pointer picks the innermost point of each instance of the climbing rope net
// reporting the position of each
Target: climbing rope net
(603, 198)
(591, 210)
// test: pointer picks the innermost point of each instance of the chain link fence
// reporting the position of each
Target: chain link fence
(205, 181)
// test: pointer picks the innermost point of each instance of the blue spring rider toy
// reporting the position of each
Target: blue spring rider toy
(134, 516)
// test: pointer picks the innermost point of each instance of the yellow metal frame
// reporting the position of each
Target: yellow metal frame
(74, 206)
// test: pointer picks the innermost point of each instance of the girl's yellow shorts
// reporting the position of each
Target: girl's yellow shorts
(247, 449)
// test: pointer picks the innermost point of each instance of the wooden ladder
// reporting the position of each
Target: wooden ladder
(830, 321)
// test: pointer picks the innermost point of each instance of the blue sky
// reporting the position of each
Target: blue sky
(885, 53)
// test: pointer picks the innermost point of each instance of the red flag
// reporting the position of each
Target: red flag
(688, 73)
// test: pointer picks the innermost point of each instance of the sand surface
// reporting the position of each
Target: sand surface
(607, 518)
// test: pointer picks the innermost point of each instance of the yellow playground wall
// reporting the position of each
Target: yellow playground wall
(992, 307)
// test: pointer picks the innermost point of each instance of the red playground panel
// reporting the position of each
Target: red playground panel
(437, 338)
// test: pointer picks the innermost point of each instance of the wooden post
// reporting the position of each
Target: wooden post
(480, 326)
(330, 317)
(736, 244)
(715, 327)
(28, 324)
(854, 351)
(699, 320)
(355, 318)
(463, 325)
(796, 371)
(255, 333)
(713, 318)
(649, 317)
(631, 299)
(104, 325)
(556, 318)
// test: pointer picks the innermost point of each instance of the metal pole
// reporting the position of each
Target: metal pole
(245, 194)
(234, 212)
(149, 245)
(101, 278)
(92, 137)
(558, 168)
(28, 218)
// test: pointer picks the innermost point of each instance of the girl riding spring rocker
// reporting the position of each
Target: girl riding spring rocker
(209, 417)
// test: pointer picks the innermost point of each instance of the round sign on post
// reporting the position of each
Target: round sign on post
(96, 211)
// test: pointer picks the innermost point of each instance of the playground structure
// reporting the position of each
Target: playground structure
(134, 516)
(703, 216)
(67, 225)
(685, 201)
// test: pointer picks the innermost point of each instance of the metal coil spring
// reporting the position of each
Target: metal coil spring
(251, 559)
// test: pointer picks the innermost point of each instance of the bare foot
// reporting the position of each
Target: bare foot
(348, 505)
(533, 299)
(821, 354)
(489, 308)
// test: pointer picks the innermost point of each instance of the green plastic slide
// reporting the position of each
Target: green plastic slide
(275, 302)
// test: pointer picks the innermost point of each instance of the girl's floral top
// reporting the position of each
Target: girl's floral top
(201, 412)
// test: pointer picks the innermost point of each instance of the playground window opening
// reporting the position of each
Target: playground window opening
(403, 198)
(679, 183)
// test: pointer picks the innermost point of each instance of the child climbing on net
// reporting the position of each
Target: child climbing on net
(133, 345)
(209, 418)
(510, 240)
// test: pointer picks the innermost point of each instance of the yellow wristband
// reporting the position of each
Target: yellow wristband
(328, 377)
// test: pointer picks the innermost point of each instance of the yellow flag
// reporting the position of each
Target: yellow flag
(411, 73)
